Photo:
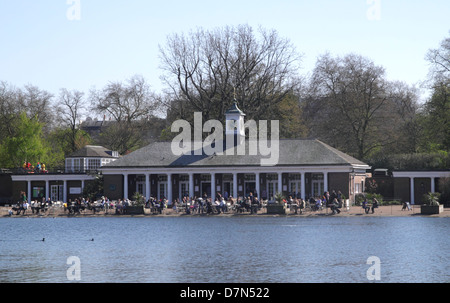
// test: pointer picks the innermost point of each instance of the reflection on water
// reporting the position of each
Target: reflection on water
(225, 249)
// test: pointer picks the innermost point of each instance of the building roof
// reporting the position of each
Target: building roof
(92, 151)
(234, 109)
(292, 152)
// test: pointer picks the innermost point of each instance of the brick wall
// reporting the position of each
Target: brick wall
(113, 186)
(339, 181)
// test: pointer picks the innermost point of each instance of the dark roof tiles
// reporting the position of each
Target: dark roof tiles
(292, 152)
(92, 151)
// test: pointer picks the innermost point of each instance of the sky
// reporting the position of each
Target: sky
(84, 44)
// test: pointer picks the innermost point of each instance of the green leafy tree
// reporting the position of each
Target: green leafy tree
(436, 120)
(436, 115)
(26, 143)
(289, 113)
(61, 144)
(350, 105)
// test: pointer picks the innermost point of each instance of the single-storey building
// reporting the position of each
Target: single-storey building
(62, 184)
(305, 167)
(408, 185)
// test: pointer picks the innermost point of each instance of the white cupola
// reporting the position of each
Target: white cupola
(234, 124)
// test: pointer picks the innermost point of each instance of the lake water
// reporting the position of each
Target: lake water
(225, 249)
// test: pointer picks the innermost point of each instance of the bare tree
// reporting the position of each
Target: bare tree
(346, 104)
(439, 60)
(128, 101)
(38, 104)
(402, 117)
(130, 105)
(70, 108)
(205, 70)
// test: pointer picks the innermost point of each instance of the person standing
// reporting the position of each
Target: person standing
(23, 197)
(339, 198)
(326, 198)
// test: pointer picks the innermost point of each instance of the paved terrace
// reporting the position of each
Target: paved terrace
(354, 211)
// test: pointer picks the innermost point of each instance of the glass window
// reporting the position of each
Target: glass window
(295, 176)
(162, 190)
(272, 177)
(227, 177)
(93, 164)
(69, 167)
(317, 176)
(357, 188)
(184, 177)
(38, 192)
(273, 188)
(205, 177)
(76, 165)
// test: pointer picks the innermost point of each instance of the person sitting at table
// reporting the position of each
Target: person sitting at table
(374, 205)
(335, 206)
(365, 206)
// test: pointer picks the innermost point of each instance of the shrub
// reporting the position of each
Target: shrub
(279, 197)
(359, 198)
(138, 199)
(392, 202)
(431, 199)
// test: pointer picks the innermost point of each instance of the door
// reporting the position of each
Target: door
(227, 189)
(272, 188)
(206, 188)
(57, 193)
(184, 189)
(140, 187)
(295, 189)
(250, 187)
(317, 188)
(162, 190)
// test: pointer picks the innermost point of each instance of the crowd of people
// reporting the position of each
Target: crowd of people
(39, 168)
(194, 205)
(332, 200)
(252, 204)
(204, 204)
(36, 206)
(79, 205)
(76, 206)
